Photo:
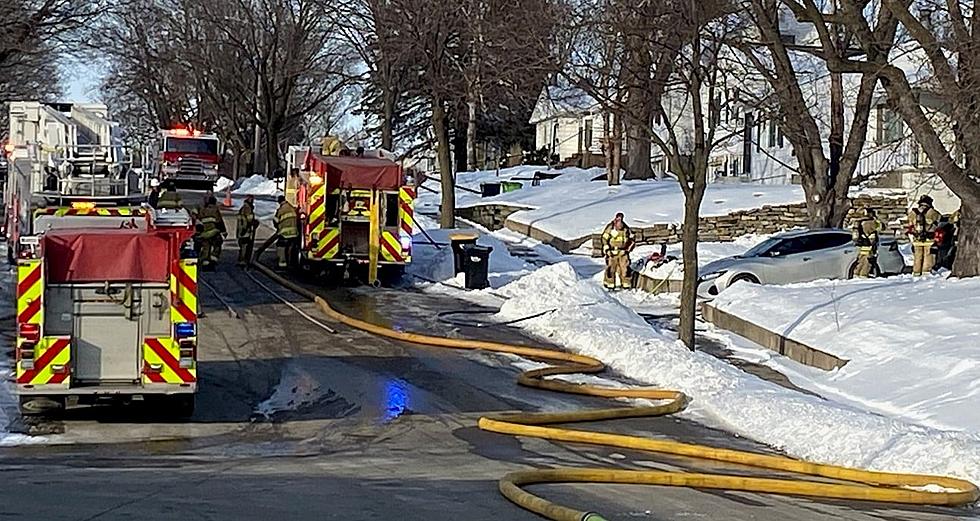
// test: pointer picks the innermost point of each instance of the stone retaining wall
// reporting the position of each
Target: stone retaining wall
(490, 216)
(765, 220)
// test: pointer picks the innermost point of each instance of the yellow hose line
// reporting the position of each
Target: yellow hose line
(860, 485)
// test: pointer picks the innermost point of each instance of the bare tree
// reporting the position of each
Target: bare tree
(782, 51)
(685, 75)
(946, 38)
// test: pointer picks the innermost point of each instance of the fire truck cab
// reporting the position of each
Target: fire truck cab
(187, 157)
(109, 315)
(356, 210)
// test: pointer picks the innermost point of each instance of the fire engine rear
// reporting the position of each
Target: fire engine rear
(109, 315)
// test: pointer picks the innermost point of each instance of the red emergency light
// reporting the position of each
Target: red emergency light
(30, 332)
(8, 148)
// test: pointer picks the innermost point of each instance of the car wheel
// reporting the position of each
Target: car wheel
(875, 271)
(745, 277)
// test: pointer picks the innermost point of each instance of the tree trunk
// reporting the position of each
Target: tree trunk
(459, 145)
(271, 151)
(689, 252)
(447, 214)
(388, 120)
(638, 153)
(967, 263)
(616, 146)
(471, 135)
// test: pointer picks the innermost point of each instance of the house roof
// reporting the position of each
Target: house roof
(558, 101)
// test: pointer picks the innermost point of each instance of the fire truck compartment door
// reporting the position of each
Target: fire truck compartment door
(107, 334)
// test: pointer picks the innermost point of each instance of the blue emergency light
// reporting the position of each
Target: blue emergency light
(184, 329)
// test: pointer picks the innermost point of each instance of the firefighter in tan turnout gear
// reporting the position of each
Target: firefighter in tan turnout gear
(866, 231)
(245, 230)
(617, 242)
(288, 230)
(923, 219)
(212, 231)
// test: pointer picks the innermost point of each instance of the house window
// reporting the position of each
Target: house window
(779, 136)
(587, 134)
(772, 133)
(554, 138)
(891, 128)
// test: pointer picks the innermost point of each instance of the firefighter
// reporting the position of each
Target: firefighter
(154, 196)
(866, 232)
(247, 223)
(288, 231)
(170, 199)
(617, 242)
(921, 228)
(212, 231)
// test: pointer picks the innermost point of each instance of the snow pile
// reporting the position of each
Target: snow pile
(912, 344)
(257, 185)
(223, 183)
(589, 321)
(434, 262)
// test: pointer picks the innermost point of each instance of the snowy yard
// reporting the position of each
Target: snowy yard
(913, 344)
(573, 206)
(893, 411)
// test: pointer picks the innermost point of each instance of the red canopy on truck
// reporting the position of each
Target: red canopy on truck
(356, 172)
(94, 255)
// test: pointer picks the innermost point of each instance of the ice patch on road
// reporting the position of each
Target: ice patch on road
(296, 389)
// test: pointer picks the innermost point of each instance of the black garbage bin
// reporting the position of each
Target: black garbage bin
(489, 189)
(476, 266)
(457, 241)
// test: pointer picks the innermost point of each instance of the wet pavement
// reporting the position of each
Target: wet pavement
(294, 422)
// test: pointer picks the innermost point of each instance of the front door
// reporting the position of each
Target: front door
(107, 339)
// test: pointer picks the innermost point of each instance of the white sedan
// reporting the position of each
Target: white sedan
(797, 256)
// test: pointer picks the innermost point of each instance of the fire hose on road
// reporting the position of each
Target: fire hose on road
(863, 485)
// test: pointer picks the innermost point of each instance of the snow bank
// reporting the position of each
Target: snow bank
(257, 185)
(434, 262)
(912, 343)
(222, 184)
(590, 321)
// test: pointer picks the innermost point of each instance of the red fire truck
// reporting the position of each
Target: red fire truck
(109, 315)
(187, 157)
(356, 210)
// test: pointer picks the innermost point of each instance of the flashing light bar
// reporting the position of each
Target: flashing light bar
(82, 205)
(316, 179)
(184, 132)
(184, 329)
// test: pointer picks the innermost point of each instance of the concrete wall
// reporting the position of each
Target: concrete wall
(802, 353)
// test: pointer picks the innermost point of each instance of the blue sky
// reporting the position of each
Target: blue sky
(81, 82)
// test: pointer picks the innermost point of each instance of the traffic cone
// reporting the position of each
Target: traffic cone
(227, 202)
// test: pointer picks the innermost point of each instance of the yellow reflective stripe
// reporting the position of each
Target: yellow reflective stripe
(45, 374)
(152, 360)
(319, 194)
(393, 241)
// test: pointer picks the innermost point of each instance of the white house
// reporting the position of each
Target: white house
(567, 122)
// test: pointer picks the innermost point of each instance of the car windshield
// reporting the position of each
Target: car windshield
(762, 247)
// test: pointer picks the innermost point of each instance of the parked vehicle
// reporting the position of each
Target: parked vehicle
(187, 157)
(797, 256)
